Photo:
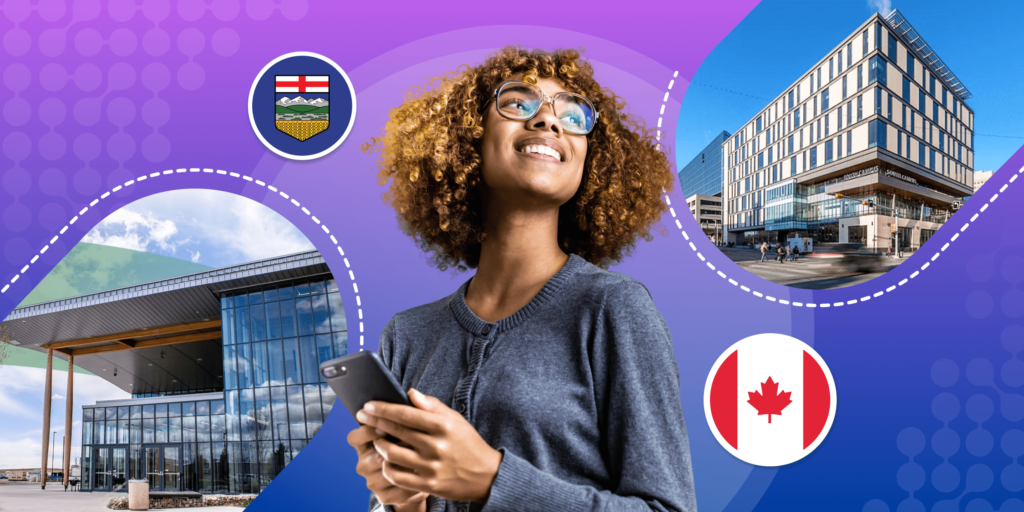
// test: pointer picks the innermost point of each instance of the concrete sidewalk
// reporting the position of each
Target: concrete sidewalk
(28, 497)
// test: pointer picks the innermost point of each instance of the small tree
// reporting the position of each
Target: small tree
(5, 344)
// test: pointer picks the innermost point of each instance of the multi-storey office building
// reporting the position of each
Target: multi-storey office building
(703, 175)
(876, 133)
(222, 367)
(707, 211)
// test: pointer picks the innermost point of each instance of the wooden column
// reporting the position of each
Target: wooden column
(47, 398)
(68, 413)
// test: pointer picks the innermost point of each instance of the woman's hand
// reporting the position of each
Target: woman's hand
(445, 455)
(370, 466)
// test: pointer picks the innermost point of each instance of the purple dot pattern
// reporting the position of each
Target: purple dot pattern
(983, 467)
(113, 124)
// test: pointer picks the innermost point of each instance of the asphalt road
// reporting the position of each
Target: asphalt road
(813, 272)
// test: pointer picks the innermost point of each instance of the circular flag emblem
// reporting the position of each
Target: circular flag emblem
(302, 106)
(770, 399)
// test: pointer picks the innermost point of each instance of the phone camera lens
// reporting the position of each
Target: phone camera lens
(330, 372)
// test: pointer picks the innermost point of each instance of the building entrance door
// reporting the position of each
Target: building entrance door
(163, 467)
(118, 468)
(101, 469)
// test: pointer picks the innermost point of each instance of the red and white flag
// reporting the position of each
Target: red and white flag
(302, 83)
(770, 399)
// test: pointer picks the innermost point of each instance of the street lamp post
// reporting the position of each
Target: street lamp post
(47, 476)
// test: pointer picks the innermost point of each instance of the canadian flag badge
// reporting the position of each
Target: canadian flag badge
(770, 399)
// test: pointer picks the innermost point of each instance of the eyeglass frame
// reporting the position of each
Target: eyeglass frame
(546, 99)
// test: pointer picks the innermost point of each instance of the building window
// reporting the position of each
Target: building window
(828, 151)
(920, 101)
(877, 70)
(770, 156)
(911, 121)
(878, 100)
(839, 118)
(864, 39)
(819, 78)
(935, 111)
(860, 107)
(824, 100)
(954, 106)
(931, 85)
(877, 134)
(792, 166)
(910, 64)
(791, 104)
(920, 154)
(790, 145)
(849, 55)
(826, 125)
(849, 142)
(889, 114)
(931, 159)
(830, 75)
(906, 90)
(814, 157)
(757, 124)
(860, 77)
(840, 61)
(892, 47)
(899, 143)
(943, 96)
(760, 162)
(849, 113)
(903, 118)
(839, 146)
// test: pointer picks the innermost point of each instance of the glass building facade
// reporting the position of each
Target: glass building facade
(235, 440)
(703, 175)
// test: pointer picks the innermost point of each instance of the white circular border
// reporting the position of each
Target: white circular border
(351, 121)
(761, 338)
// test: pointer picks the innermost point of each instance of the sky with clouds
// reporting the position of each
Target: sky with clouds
(212, 228)
(209, 227)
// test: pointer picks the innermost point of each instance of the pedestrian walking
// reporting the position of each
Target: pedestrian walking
(789, 252)
(781, 252)
(764, 251)
(796, 252)
(888, 252)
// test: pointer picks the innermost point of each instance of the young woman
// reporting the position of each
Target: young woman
(544, 382)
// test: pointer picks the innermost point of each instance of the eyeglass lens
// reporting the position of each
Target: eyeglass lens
(521, 101)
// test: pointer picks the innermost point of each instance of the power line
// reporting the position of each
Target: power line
(730, 91)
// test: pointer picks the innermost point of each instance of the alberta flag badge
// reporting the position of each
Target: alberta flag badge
(302, 106)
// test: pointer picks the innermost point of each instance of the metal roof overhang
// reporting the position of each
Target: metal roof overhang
(162, 336)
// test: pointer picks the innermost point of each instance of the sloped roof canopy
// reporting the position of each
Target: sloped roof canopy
(161, 336)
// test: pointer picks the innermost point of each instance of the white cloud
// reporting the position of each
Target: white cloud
(233, 229)
(884, 7)
(57, 396)
(138, 231)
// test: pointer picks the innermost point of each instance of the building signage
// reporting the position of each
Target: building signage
(861, 173)
(903, 177)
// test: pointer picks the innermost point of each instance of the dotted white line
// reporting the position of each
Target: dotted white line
(351, 275)
(973, 219)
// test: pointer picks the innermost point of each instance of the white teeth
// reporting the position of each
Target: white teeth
(542, 150)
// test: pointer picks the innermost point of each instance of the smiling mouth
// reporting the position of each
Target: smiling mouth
(541, 151)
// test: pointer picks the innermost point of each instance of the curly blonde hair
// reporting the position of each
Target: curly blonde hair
(431, 146)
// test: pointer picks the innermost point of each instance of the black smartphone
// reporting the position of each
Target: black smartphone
(362, 377)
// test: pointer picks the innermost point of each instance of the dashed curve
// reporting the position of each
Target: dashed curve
(879, 293)
(132, 182)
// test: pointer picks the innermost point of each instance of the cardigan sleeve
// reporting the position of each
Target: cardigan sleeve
(636, 381)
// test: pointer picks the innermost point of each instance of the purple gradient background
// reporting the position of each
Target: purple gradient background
(137, 72)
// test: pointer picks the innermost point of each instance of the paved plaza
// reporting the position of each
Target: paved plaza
(820, 271)
(28, 497)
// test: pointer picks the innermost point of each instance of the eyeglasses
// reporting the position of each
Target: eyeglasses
(520, 101)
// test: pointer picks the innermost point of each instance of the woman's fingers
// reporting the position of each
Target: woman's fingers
(402, 456)
(424, 421)
(403, 477)
(363, 436)
(413, 438)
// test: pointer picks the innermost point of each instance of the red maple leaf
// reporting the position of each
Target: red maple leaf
(771, 402)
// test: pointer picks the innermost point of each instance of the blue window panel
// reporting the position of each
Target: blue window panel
(317, 287)
(324, 352)
(321, 314)
(296, 413)
(289, 324)
(242, 325)
(248, 415)
(231, 414)
(892, 47)
(264, 420)
(258, 321)
(828, 152)
(310, 365)
(338, 311)
(260, 375)
(844, 87)
(225, 302)
(301, 289)
(270, 295)
(792, 166)
(920, 100)
(285, 292)
(255, 297)
(275, 357)
(292, 359)
(241, 300)
(814, 157)
(230, 369)
(273, 311)
(340, 342)
(931, 159)
(910, 65)
(245, 366)
(824, 100)
(304, 315)
(314, 410)
(227, 325)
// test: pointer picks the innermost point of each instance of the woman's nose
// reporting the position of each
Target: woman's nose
(546, 119)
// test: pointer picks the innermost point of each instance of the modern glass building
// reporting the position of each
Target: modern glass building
(874, 145)
(703, 175)
(224, 396)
